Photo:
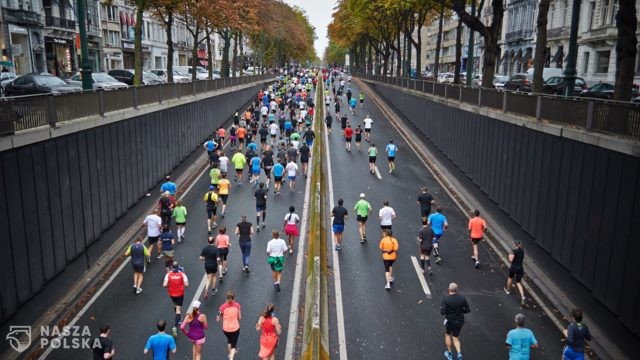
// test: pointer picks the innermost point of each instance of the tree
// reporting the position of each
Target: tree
(165, 10)
(456, 71)
(541, 45)
(141, 6)
(334, 54)
(490, 34)
(194, 13)
(627, 25)
(436, 67)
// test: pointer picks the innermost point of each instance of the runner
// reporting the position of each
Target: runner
(352, 105)
(291, 220)
(278, 173)
(166, 207)
(339, 214)
(105, 350)
(239, 161)
(168, 241)
(425, 200)
(292, 170)
(337, 107)
(244, 230)
(233, 135)
(425, 238)
(211, 201)
(275, 252)
(180, 215)
(223, 192)
(209, 255)
(520, 340)
(242, 134)
(328, 120)
(358, 132)
(305, 152)
(386, 216)
(391, 149)
(453, 307)
(361, 96)
(344, 120)
(389, 247)
(222, 244)
(362, 209)
(368, 123)
(309, 135)
(160, 344)
(261, 205)
(264, 133)
(197, 323)
(439, 224)
(210, 146)
(348, 133)
(273, 132)
(516, 270)
(154, 225)
(175, 281)
(230, 314)
(373, 152)
(477, 227)
(270, 328)
(168, 186)
(215, 174)
(267, 164)
(576, 334)
(138, 253)
(255, 163)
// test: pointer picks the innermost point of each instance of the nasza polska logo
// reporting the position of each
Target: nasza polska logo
(56, 337)
(19, 337)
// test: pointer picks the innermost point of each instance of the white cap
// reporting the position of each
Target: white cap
(195, 304)
(362, 195)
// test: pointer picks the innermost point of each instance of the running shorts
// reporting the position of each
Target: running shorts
(211, 269)
(137, 268)
(177, 300)
(388, 264)
(224, 198)
(385, 227)
(516, 273)
(338, 228)
(211, 212)
(223, 253)
(291, 230)
(152, 239)
(291, 178)
(261, 208)
(391, 158)
(367, 130)
(232, 338)
(475, 241)
(277, 178)
(362, 219)
(347, 139)
(181, 223)
(453, 328)
(372, 159)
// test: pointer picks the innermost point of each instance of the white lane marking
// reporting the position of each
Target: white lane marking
(292, 328)
(111, 278)
(203, 282)
(377, 172)
(342, 339)
(423, 282)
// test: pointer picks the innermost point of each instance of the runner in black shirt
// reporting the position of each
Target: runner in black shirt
(425, 200)
(328, 120)
(343, 122)
(453, 307)
(267, 164)
(261, 205)
(106, 350)
(264, 133)
(209, 255)
(516, 270)
(244, 230)
(339, 214)
(425, 237)
(304, 157)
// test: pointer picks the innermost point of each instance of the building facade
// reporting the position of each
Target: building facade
(22, 39)
(517, 41)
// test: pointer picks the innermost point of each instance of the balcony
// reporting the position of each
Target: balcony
(22, 17)
(518, 35)
(558, 33)
(52, 21)
(603, 35)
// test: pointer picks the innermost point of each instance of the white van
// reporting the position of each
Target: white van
(546, 73)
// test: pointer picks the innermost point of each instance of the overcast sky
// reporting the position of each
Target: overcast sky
(319, 13)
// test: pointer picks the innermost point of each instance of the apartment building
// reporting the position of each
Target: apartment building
(22, 40)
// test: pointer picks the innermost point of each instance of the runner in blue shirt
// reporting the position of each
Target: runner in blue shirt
(352, 105)
(255, 163)
(169, 186)
(438, 223)
(160, 343)
(288, 127)
(278, 173)
(252, 146)
(391, 155)
(520, 341)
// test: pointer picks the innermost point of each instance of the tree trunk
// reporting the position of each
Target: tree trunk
(541, 45)
(369, 60)
(398, 56)
(209, 53)
(169, 27)
(439, 41)
(418, 46)
(226, 38)
(385, 59)
(137, 55)
(194, 54)
(456, 71)
(408, 52)
(235, 55)
(489, 63)
(241, 61)
(626, 23)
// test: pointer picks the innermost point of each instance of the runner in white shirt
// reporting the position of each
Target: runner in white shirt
(275, 250)
(386, 216)
(292, 170)
(368, 122)
(264, 111)
(223, 163)
(154, 224)
(291, 221)
(273, 131)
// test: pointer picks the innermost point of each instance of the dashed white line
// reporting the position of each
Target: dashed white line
(377, 172)
(423, 282)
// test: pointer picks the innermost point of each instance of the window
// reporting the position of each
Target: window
(585, 62)
(605, 15)
(592, 16)
(602, 62)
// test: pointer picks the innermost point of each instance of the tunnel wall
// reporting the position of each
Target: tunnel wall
(61, 194)
(580, 202)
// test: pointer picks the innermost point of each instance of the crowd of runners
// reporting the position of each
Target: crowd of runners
(268, 146)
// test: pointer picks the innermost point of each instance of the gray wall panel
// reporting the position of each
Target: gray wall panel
(30, 217)
(85, 188)
(9, 301)
(65, 199)
(55, 206)
(92, 157)
(579, 202)
(77, 208)
(44, 214)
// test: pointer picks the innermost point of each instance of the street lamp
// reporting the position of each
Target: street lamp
(85, 73)
(570, 71)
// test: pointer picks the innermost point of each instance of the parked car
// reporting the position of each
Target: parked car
(177, 77)
(201, 73)
(153, 78)
(428, 75)
(518, 82)
(31, 84)
(556, 85)
(499, 81)
(605, 90)
(476, 81)
(126, 76)
(5, 78)
(546, 73)
(445, 78)
(101, 81)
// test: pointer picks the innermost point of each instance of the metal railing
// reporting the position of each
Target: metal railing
(26, 112)
(607, 116)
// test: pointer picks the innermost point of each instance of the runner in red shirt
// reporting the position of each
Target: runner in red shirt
(348, 133)
(477, 227)
(175, 281)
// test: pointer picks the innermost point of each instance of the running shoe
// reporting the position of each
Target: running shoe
(430, 272)
(214, 291)
(506, 291)
(438, 260)
(391, 280)
(221, 279)
(447, 355)
(473, 258)
(138, 290)
(277, 286)
(258, 228)
(159, 256)
(174, 332)
(459, 356)
(135, 286)
(224, 272)
(388, 286)
(362, 241)
(523, 302)
(477, 264)
(290, 251)
(264, 225)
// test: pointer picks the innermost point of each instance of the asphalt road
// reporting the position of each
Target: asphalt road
(133, 317)
(405, 323)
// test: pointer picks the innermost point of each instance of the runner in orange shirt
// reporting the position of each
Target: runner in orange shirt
(241, 133)
(477, 227)
(389, 247)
